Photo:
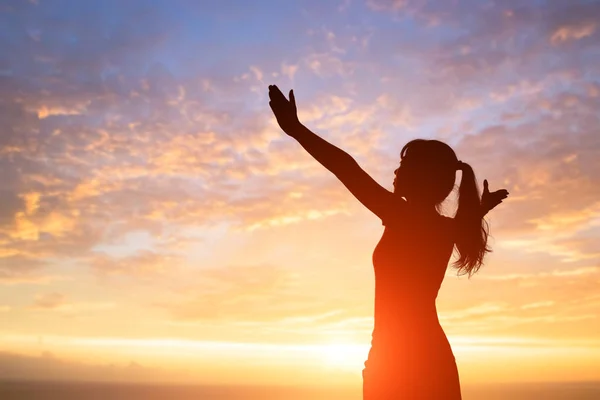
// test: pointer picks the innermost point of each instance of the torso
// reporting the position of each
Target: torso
(410, 262)
(410, 356)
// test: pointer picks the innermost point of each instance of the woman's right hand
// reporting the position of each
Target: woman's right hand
(285, 110)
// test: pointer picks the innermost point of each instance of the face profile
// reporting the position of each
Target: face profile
(426, 173)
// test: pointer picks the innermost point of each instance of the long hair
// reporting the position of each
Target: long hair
(472, 229)
(432, 177)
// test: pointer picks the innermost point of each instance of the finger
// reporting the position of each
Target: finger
(277, 100)
(276, 109)
(280, 97)
(276, 91)
(292, 98)
(275, 106)
(485, 185)
(272, 93)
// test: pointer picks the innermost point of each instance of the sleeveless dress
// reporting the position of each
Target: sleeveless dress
(410, 356)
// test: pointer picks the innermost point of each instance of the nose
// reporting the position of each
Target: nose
(396, 171)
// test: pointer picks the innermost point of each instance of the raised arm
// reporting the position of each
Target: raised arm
(372, 195)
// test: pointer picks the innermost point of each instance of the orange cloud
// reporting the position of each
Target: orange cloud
(45, 112)
(573, 32)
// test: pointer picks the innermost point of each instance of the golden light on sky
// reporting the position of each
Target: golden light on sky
(157, 225)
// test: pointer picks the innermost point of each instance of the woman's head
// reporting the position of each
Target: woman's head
(426, 176)
(427, 171)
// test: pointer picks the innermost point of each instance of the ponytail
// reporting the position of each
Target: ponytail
(472, 229)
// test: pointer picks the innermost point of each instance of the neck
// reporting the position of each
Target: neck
(421, 208)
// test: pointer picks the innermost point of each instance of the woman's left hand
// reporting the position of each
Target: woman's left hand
(491, 200)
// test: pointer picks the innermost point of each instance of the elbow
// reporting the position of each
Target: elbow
(343, 165)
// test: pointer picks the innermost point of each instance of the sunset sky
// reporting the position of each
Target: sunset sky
(156, 224)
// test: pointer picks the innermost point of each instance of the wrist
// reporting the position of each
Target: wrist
(295, 129)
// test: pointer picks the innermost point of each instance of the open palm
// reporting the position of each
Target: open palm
(491, 200)
(285, 110)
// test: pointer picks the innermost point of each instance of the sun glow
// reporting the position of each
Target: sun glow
(347, 356)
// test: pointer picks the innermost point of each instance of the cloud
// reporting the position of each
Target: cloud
(558, 273)
(141, 264)
(326, 65)
(233, 292)
(59, 303)
(45, 112)
(50, 301)
(16, 268)
(567, 33)
(387, 5)
(558, 302)
(539, 304)
(261, 293)
(289, 70)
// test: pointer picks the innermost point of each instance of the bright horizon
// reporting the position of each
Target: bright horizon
(156, 225)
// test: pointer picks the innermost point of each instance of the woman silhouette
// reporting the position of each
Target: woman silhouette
(410, 357)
